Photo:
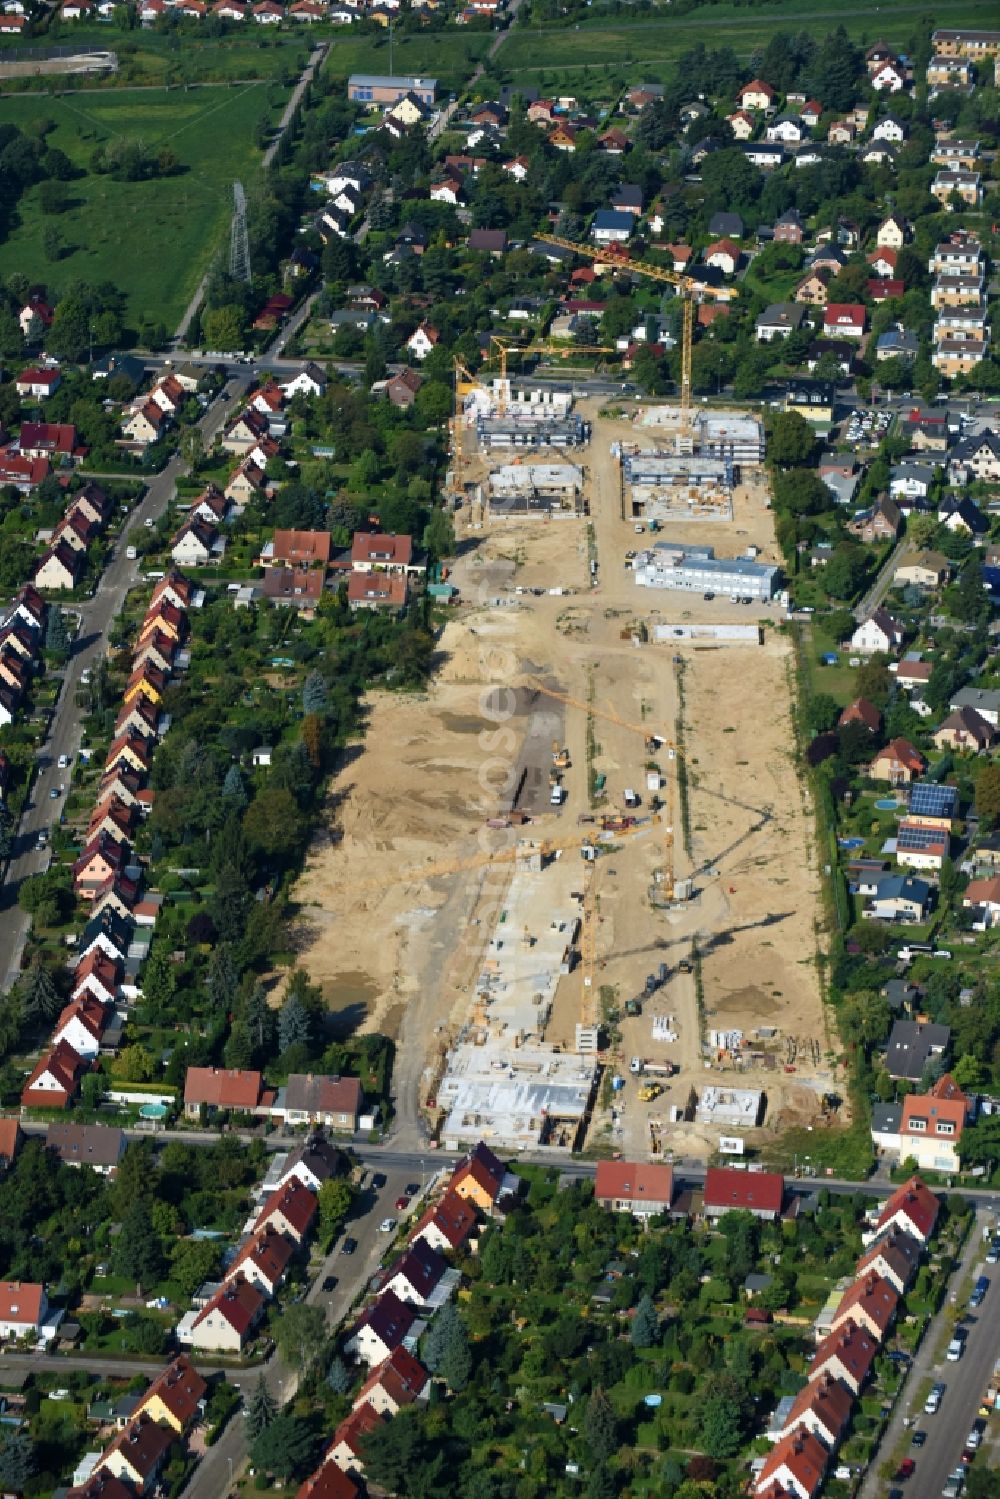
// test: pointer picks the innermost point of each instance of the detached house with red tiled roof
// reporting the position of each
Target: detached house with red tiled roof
(328, 1482)
(23, 1306)
(479, 1179)
(643, 1189)
(81, 1025)
(399, 1381)
(756, 95)
(895, 1256)
(54, 1080)
(727, 1190)
(222, 1088)
(264, 1260)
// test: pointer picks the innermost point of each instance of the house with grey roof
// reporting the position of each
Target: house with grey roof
(894, 897)
(985, 701)
(912, 1044)
(778, 320)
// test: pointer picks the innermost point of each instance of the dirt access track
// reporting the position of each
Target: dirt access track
(400, 893)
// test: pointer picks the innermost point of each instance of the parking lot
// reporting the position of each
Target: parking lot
(865, 428)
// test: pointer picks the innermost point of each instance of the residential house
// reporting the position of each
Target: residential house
(863, 712)
(176, 1398)
(381, 1329)
(976, 457)
(82, 1022)
(795, 1467)
(37, 383)
(844, 319)
(23, 1308)
(54, 1079)
(264, 1260)
(897, 343)
(333, 1102)
(920, 844)
(912, 1207)
(870, 1302)
(328, 1482)
(298, 549)
(789, 228)
(98, 1146)
(727, 1190)
(401, 389)
(226, 1323)
(895, 898)
(400, 1381)
(294, 587)
(982, 897)
(422, 340)
(726, 225)
(787, 128)
(11, 1140)
(60, 567)
(912, 673)
(931, 1125)
(924, 569)
(985, 701)
(911, 1045)
(846, 1355)
(890, 78)
(448, 1224)
(879, 633)
(640, 1188)
(416, 1274)
(953, 182)
(608, 226)
(912, 480)
(966, 731)
(889, 128)
(724, 254)
(313, 1163)
(479, 1179)
(822, 1407)
(898, 762)
(290, 1210)
(883, 522)
(347, 1447)
(102, 858)
(376, 591)
(223, 1088)
(778, 320)
(756, 95)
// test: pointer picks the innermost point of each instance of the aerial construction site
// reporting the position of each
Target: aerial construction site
(575, 880)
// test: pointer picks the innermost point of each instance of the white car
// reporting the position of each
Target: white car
(63, 762)
(387, 1226)
(955, 1350)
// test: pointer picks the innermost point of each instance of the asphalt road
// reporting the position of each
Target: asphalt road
(96, 615)
(964, 1382)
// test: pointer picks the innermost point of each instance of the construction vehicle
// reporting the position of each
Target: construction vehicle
(683, 966)
(560, 756)
(687, 288)
(649, 1092)
(640, 1065)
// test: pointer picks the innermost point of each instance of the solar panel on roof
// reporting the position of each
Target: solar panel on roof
(916, 839)
(928, 800)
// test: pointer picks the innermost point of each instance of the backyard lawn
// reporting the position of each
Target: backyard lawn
(449, 56)
(153, 239)
(180, 57)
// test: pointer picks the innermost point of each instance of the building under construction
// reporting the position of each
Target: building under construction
(540, 489)
(736, 436)
(526, 429)
(665, 487)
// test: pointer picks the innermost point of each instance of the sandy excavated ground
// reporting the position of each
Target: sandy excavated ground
(396, 939)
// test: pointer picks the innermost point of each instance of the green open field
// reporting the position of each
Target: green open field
(637, 50)
(151, 57)
(153, 239)
(450, 56)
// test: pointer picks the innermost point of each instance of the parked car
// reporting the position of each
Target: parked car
(906, 1469)
(387, 1226)
(378, 1181)
(918, 1438)
(330, 1283)
(411, 1189)
(349, 1246)
(955, 1350)
(401, 1204)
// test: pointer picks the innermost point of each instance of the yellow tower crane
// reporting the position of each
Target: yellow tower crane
(688, 288)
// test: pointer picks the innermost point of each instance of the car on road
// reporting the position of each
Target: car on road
(918, 1438)
(968, 1456)
(378, 1181)
(330, 1283)
(933, 1402)
(349, 1246)
(979, 1291)
(401, 1204)
(387, 1226)
(411, 1189)
(975, 1437)
(56, 792)
(43, 838)
(993, 1258)
(85, 675)
(955, 1350)
(63, 762)
(906, 1469)
(955, 1484)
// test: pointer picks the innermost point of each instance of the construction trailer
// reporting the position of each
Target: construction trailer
(696, 569)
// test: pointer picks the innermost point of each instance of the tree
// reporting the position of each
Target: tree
(17, 1461)
(791, 440)
(645, 1324)
(441, 1331)
(873, 681)
(159, 983)
(300, 1334)
(134, 1064)
(261, 1409)
(56, 634)
(334, 1202)
(52, 243)
(222, 328)
(392, 1452)
(721, 1425)
(439, 533)
(314, 693)
(192, 1262)
(39, 995)
(294, 1027)
(137, 1249)
(272, 821)
(600, 1427)
(234, 790)
(6, 832)
(456, 1358)
(338, 1376)
(742, 1234)
(988, 793)
(284, 1447)
(821, 713)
